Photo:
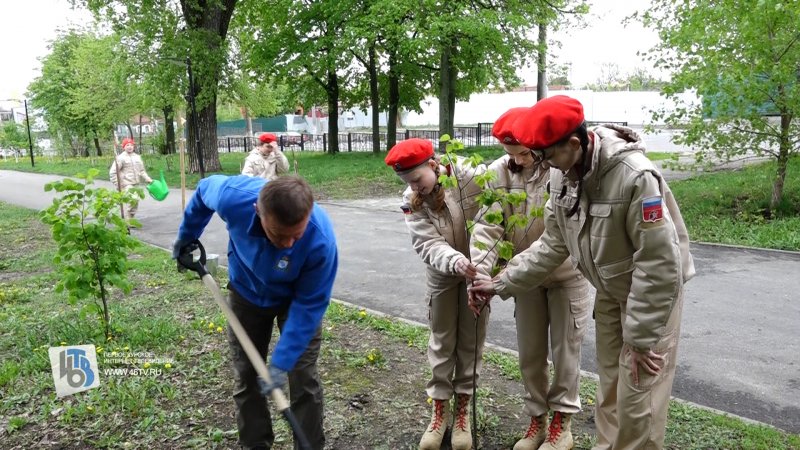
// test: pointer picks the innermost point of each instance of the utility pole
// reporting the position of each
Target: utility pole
(28, 123)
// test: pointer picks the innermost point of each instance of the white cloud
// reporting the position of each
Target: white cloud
(27, 27)
(604, 40)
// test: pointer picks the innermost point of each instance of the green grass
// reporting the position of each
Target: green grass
(660, 156)
(729, 207)
(344, 175)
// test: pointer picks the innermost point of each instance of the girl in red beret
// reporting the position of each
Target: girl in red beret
(611, 215)
(551, 319)
(436, 219)
(266, 161)
(127, 171)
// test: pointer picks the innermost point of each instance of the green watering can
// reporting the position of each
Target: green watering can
(158, 189)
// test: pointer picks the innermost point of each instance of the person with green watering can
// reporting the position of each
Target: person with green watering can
(127, 171)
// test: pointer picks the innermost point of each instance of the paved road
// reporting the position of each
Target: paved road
(739, 349)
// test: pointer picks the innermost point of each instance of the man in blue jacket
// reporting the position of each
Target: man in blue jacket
(282, 262)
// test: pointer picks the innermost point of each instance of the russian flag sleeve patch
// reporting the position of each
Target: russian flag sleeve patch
(652, 209)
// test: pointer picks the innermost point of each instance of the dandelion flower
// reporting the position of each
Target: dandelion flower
(430, 400)
(219, 329)
(147, 365)
(168, 366)
(362, 313)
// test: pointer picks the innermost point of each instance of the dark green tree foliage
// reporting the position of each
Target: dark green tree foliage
(201, 29)
(84, 89)
(302, 43)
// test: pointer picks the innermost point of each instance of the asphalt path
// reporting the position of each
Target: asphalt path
(739, 349)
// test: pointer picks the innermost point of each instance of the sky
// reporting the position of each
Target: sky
(28, 26)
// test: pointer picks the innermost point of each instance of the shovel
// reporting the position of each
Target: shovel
(278, 398)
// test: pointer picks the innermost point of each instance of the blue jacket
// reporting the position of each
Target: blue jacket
(300, 277)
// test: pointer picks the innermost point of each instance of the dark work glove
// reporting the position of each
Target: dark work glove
(279, 377)
(182, 247)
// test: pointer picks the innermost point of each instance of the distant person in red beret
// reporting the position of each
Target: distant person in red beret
(131, 173)
(436, 218)
(551, 319)
(266, 161)
(612, 215)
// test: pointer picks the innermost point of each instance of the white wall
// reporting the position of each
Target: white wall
(356, 118)
(631, 107)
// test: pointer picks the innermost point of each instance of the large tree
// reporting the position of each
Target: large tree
(203, 29)
(744, 62)
(479, 44)
(301, 42)
(83, 90)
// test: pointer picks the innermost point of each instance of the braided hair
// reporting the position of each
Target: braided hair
(435, 199)
(583, 137)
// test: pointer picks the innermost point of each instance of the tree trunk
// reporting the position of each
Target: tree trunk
(139, 142)
(394, 101)
(169, 129)
(447, 73)
(130, 130)
(784, 147)
(207, 127)
(333, 112)
(541, 64)
(208, 22)
(97, 145)
(374, 100)
(248, 122)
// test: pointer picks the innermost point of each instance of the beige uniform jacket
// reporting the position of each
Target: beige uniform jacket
(623, 255)
(267, 167)
(131, 170)
(532, 181)
(440, 238)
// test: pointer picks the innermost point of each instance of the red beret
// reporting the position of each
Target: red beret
(502, 126)
(127, 141)
(267, 138)
(548, 121)
(409, 154)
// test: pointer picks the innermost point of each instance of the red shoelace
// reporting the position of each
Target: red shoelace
(439, 417)
(554, 431)
(533, 428)
(461, 416)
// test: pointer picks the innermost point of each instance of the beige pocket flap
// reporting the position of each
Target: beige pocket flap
(616, 269)
(600, 210)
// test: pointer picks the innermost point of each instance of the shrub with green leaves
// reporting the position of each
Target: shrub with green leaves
(493, 202)
(92, 240)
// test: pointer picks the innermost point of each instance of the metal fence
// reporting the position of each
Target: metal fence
(358, 141)
(474, 136)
